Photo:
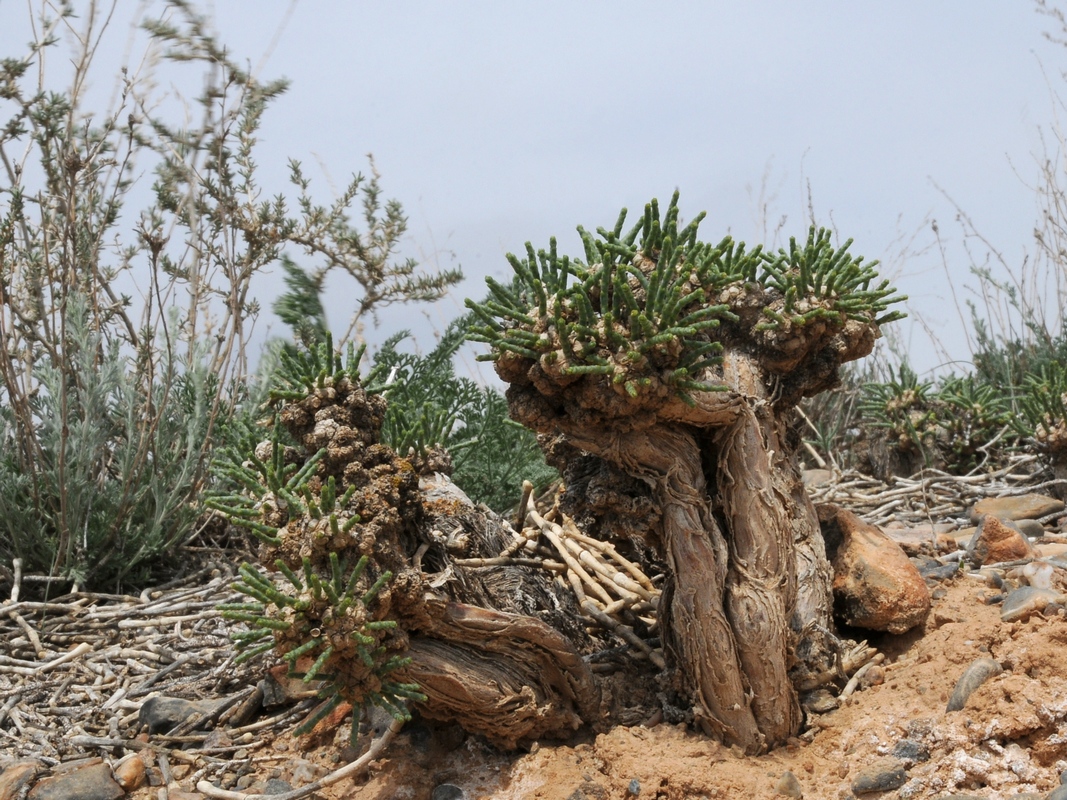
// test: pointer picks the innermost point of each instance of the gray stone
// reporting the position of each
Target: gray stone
(1022, 603)
(93, 782)
(909, 750)
(448, 791)
(880, 777)
(789, 786)
(1059, 793)
(162, 714)
(1031, 528)
(820, 701)
(980, 670)
(634, 788)
(276, 786)
(1024, 506)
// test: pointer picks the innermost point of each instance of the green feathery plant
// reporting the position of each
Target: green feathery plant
(430, 405)
(646, 306)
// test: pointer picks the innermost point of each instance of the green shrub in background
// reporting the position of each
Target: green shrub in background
(124, 331)
(430, 405)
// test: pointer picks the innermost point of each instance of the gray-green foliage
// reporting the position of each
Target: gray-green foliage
(95, 502)
(124, 330)
(430, 405)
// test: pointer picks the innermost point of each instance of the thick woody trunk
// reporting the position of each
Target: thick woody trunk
(749, 572)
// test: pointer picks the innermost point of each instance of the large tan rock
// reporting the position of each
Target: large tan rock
(875, 585)
(1023, 506)
(997, 540)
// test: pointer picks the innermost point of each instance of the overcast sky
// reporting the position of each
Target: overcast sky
(499, 122)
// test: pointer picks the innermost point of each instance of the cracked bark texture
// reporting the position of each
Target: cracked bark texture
(750, 583)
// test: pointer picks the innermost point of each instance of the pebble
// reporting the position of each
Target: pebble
(789, 786)
(909, 750)
(1024, 506)
(1059, 793)
(1024, 602)
(1031, 527)
(93, 782)
(880, 777)
(305, 772)
(820, 701)
(130, 772)
(634, 788)
(161, 714)
(276, 786)
(448, 791)
(980, 670)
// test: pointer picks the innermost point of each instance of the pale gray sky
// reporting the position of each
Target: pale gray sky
(498, 122)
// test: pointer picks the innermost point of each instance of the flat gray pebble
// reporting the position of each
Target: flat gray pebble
(1059, 793)
(448, 791)
(276, 786)
(880, 777)
(634, 788)
(910, 750)
(1031, 528)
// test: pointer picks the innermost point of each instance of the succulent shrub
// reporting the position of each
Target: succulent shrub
(332, 511)
(678, 363)
(1044, 412)
(973, 420)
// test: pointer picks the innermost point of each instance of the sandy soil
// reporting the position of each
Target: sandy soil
(1010, 738)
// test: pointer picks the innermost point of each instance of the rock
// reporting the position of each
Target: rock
(1031, 528)
(1059, 793)
(1051, 550)
(997, 541)
(1022, 603)
(917, 539)
(17, 777)
(980, 670)
(875, 586)
(1023, 506)
(789, 786)
(820, 701)
(910, 751)
(634, 788)
(305, 772)
(161, 714)
(880, 777)
(448, 791)
(933, 570)
(93, 782)
(130, 772)
(276, 786)
(178, 794)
